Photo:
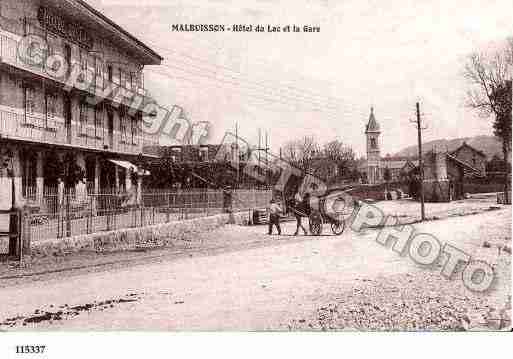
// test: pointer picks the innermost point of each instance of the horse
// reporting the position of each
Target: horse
(299, 210)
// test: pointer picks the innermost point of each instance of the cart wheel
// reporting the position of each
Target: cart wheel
(315, 222)
(338, 227)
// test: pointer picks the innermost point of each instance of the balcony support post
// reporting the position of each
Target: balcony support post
(80, 187)
(116, 176)
(40, 181)
(18, 191)
(94, 200)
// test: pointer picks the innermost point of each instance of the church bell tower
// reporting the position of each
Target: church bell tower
(372, 131)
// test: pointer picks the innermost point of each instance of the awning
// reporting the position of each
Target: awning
(128, 166)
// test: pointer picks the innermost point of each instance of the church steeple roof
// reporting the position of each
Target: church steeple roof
(372, 125)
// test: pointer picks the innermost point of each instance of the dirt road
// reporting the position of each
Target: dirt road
(251, 289)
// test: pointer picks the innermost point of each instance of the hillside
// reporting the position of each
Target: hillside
(488, 144)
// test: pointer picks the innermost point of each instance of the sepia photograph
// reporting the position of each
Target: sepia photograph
(254, 166)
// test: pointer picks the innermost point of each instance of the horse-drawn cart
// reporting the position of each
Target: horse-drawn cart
(333, 208)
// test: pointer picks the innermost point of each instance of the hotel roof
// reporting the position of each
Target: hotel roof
(93, 18)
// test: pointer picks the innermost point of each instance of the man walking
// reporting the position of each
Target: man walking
(299, 210)
(274, 217)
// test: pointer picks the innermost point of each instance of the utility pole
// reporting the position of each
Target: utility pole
(266, 146)
(421, 167)
(266, 159)
(237, 158)
(259, 144)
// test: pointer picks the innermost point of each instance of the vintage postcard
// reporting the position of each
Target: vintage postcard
(307, 165)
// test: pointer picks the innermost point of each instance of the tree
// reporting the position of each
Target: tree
(489, 75)
(291, 152)
(343, 156)
(301, 153)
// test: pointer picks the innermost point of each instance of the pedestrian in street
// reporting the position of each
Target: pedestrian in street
(274, 217)
(299, 211)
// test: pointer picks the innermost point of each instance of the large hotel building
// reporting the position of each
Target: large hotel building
(42, 119)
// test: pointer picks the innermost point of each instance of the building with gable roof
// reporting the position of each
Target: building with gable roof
(471, 156)
(95, 123)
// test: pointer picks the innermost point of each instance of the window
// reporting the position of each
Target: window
(204, 154)
(83, 118)
(98, 121)
(109, 72)
(83, 60)
(136, 79)
(30, 104)
(67, 57)
(50, 109)
(123, 125)
(115, 76)
(83, 65)
(131, 80)
(122, 77)
(53, 44)
(98, 71)
(373, 143)
(135, 130)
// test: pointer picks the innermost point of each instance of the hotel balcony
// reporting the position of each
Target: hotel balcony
(16, 125)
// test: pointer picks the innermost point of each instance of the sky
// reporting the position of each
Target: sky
(385, 54)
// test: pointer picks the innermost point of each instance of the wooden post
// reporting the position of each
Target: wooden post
(39, 179)
(25, 235)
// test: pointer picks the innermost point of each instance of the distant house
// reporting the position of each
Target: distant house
(471, 156)
(190, 153)
(497, 166)
(409, 166)
(325, 168)
(199, 153)
(186, 153)
(444, 175)
(395, 168)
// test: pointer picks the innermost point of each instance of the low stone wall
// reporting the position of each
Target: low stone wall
(160, 235)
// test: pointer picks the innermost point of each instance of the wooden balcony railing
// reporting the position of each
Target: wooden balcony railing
(14, 124)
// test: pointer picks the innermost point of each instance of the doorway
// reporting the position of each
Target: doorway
(110, 125)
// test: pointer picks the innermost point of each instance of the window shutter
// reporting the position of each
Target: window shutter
(122, 125)
(99, 72)
(135, 131)
(51, 102)
(98, 121)
(30, 104)
(115, 75)
(83, 119)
